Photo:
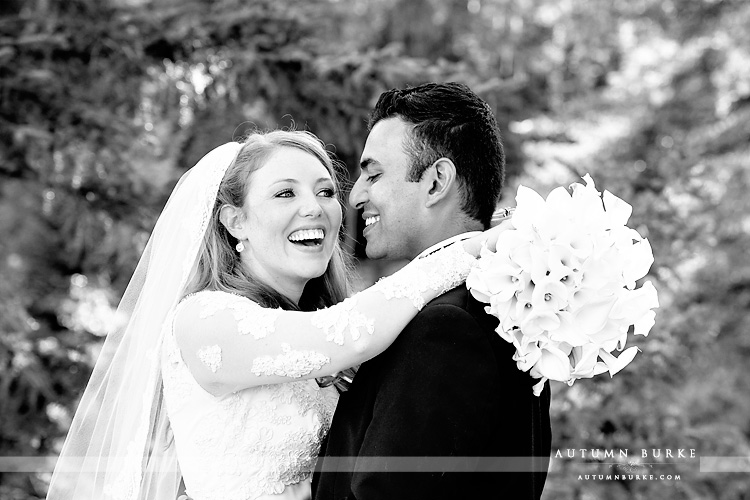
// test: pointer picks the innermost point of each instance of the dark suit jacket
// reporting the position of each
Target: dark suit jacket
(447, 387)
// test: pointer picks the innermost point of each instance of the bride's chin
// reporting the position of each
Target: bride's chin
(313, 271)
(311, 265)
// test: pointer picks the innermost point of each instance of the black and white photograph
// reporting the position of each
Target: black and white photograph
(374, 249)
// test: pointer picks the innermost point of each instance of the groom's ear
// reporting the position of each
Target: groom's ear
(440, 180)
(233, 219)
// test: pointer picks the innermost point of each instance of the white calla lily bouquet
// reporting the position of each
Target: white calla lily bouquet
(562, 282)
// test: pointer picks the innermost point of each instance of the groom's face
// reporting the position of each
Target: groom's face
(392, 206)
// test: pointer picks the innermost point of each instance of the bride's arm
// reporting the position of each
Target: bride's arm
(231, 343)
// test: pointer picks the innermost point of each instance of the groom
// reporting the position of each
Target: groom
(443, 413)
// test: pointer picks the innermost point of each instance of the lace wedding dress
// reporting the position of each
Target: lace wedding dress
(236, 442)
(254, 443)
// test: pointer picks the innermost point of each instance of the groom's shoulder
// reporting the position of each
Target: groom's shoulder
(455, 316)
(460, 301)
(458, 297)
(448, 330)
(452, 305)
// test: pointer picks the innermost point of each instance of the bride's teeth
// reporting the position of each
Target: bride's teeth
(372, 220)
(307, 234)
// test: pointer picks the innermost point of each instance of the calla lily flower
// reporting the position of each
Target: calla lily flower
(529, 205)
(644, 324)
(633, 304)
(528, 359)
(615, 364)
(553, 364)
(584, 360)
(618, 211)
(539, 386)
(568, 331)
(638, 262)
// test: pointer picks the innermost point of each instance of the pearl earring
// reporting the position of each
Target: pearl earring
(240, 247)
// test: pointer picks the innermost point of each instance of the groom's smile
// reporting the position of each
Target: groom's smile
(370, 219)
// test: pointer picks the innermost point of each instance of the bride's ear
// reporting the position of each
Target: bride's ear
(233, 218)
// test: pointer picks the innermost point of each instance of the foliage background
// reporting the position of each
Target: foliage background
(104, 103)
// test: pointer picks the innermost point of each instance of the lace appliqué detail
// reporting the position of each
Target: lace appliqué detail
(336, 321)
(260, 440)
(290, 363)
(210, 356)
(308, 397)
(252, 319)
(259, 323)
(440, 271)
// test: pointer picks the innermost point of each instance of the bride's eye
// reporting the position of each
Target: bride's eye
(328, 192)
(287, 193)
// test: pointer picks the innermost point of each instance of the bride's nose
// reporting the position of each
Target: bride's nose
(310, 207)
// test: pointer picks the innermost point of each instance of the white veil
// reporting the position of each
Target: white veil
(119, 444)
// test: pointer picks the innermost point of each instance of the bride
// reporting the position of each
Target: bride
(237, 305)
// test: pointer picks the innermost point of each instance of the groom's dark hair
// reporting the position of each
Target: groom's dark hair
(451, 121)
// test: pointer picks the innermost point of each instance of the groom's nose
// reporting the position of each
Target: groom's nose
(358, 195)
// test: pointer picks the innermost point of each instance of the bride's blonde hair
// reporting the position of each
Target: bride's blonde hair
(218, 266)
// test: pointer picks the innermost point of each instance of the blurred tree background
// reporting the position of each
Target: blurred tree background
(104, 103)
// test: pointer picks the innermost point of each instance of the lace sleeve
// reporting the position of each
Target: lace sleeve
(230, 343)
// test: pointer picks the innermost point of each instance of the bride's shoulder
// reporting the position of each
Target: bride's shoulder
(206, 303)
(215, 296)
(221, 313)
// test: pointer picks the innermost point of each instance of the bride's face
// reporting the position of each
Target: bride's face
(292, 220)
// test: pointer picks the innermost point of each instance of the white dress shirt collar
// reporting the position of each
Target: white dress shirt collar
(437, 246)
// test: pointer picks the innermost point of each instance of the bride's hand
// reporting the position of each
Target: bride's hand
(501, 221)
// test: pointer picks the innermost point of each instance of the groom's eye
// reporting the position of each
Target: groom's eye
(373, 178)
